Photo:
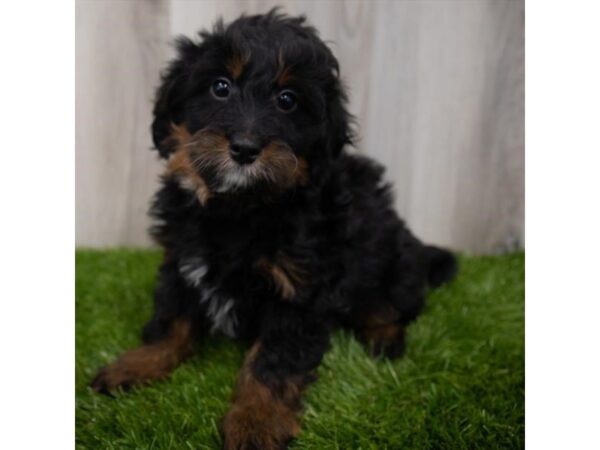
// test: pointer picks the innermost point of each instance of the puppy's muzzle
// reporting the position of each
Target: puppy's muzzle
(244, 149)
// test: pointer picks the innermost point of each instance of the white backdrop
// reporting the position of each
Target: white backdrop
(437, 86)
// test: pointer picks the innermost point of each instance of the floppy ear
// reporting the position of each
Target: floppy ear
(171, 95)
(339, 120)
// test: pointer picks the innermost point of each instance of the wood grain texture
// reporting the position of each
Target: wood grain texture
(120, 48)
(437, 87)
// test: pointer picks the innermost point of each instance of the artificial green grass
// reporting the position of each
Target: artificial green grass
(459, 386)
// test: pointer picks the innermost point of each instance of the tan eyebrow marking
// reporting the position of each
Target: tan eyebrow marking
(236, 64)
(284, 74)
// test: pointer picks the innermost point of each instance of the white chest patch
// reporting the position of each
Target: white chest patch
(219, 309)
(193, 270)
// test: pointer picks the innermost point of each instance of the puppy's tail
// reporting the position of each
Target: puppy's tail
(442, 265)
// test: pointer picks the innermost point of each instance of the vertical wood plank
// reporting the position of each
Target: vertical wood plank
(120, 49)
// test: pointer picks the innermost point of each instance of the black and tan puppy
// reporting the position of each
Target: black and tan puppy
(273, 233)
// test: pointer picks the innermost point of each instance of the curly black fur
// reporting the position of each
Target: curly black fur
(307, 242)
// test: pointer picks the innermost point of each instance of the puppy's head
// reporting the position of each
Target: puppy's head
(255, 106)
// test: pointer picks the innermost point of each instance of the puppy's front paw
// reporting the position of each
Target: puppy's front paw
(247, 428)
(110, 378)
(137, 366)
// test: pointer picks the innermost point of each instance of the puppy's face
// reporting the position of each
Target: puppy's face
(252, 107)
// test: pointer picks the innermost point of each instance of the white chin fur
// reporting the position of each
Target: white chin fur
(238, 177)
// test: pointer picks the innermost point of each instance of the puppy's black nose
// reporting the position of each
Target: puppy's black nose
(244, 150)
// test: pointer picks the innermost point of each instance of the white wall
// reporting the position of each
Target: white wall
(437, 87)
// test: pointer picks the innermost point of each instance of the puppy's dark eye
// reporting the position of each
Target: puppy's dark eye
(221, 88)
(287, 101)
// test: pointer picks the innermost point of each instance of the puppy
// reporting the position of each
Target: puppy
(272, 231)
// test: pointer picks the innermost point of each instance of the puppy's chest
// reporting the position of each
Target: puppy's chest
(228, 292)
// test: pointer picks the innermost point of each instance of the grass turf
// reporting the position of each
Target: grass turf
(460, 385)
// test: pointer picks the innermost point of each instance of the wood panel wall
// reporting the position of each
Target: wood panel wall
(437, 86)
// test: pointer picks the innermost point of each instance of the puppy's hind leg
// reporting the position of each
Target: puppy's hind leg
(380, 331)
(381, 324)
